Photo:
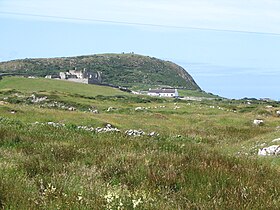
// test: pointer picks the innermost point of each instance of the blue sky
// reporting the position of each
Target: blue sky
(223, 61)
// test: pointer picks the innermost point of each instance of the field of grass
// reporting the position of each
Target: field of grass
(43, 85)
(205, 156)
(196, 93)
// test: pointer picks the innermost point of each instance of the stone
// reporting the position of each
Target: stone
(177, 107)
(108, 128)
(269, 151)
(110, 109)
(134, 132)
(276, 140)
(72, 109)
(258, 122)
(153, 134)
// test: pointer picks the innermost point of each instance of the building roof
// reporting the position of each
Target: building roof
(162, 91)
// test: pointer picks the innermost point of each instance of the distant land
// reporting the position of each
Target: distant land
(126, 69)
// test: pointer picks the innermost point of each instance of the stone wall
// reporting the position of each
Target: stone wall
(85, 81)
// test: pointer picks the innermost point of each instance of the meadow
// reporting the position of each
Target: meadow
(204, 156)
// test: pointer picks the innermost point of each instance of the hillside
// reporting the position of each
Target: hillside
(117, 69)
(57, 150)
(47, 85)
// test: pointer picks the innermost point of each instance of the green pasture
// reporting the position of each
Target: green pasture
(205, 156)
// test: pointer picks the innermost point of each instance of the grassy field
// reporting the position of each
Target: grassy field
(44, 85)
(205, 156)
(196, 93)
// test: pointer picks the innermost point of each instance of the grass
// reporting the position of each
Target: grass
(204, 158)
(43, 85)
(196, 93)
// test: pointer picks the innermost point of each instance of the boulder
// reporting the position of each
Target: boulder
(72, 109)
(276, 140)
(269, 151)
(258, 122)
(110, 109)
(138, 108)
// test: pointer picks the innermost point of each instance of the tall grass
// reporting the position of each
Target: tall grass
(60, 168)
(192, 164)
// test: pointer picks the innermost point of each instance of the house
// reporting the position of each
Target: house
(163, 92)
(84, 76)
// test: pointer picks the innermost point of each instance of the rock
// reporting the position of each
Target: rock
(110, 109)
(278, 113)
(56, 125)
(134, 132)
(13, 111)
(86, 128)
(153, 134)
(108, 128)
(258, 122)
(3, 103)
(269, 151)
(35, 99)
(138, 108)
(276, 140)
(72, 109)
(93, 111)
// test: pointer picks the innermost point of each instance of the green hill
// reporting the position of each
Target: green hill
(117, 69)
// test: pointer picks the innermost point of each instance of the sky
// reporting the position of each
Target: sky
(230, 47)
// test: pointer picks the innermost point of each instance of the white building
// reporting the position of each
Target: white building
(164, 92)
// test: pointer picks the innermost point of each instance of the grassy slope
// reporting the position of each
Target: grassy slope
(48, 85)
(194, 93)
(45, 167)
(117, 69)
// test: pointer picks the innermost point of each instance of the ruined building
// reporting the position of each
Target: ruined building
(83, 76)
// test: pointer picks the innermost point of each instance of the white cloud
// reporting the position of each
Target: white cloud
(243, 15)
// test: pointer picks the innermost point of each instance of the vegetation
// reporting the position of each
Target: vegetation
(205, 156)
(117, 69)
(196, 93)
(48, 85)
